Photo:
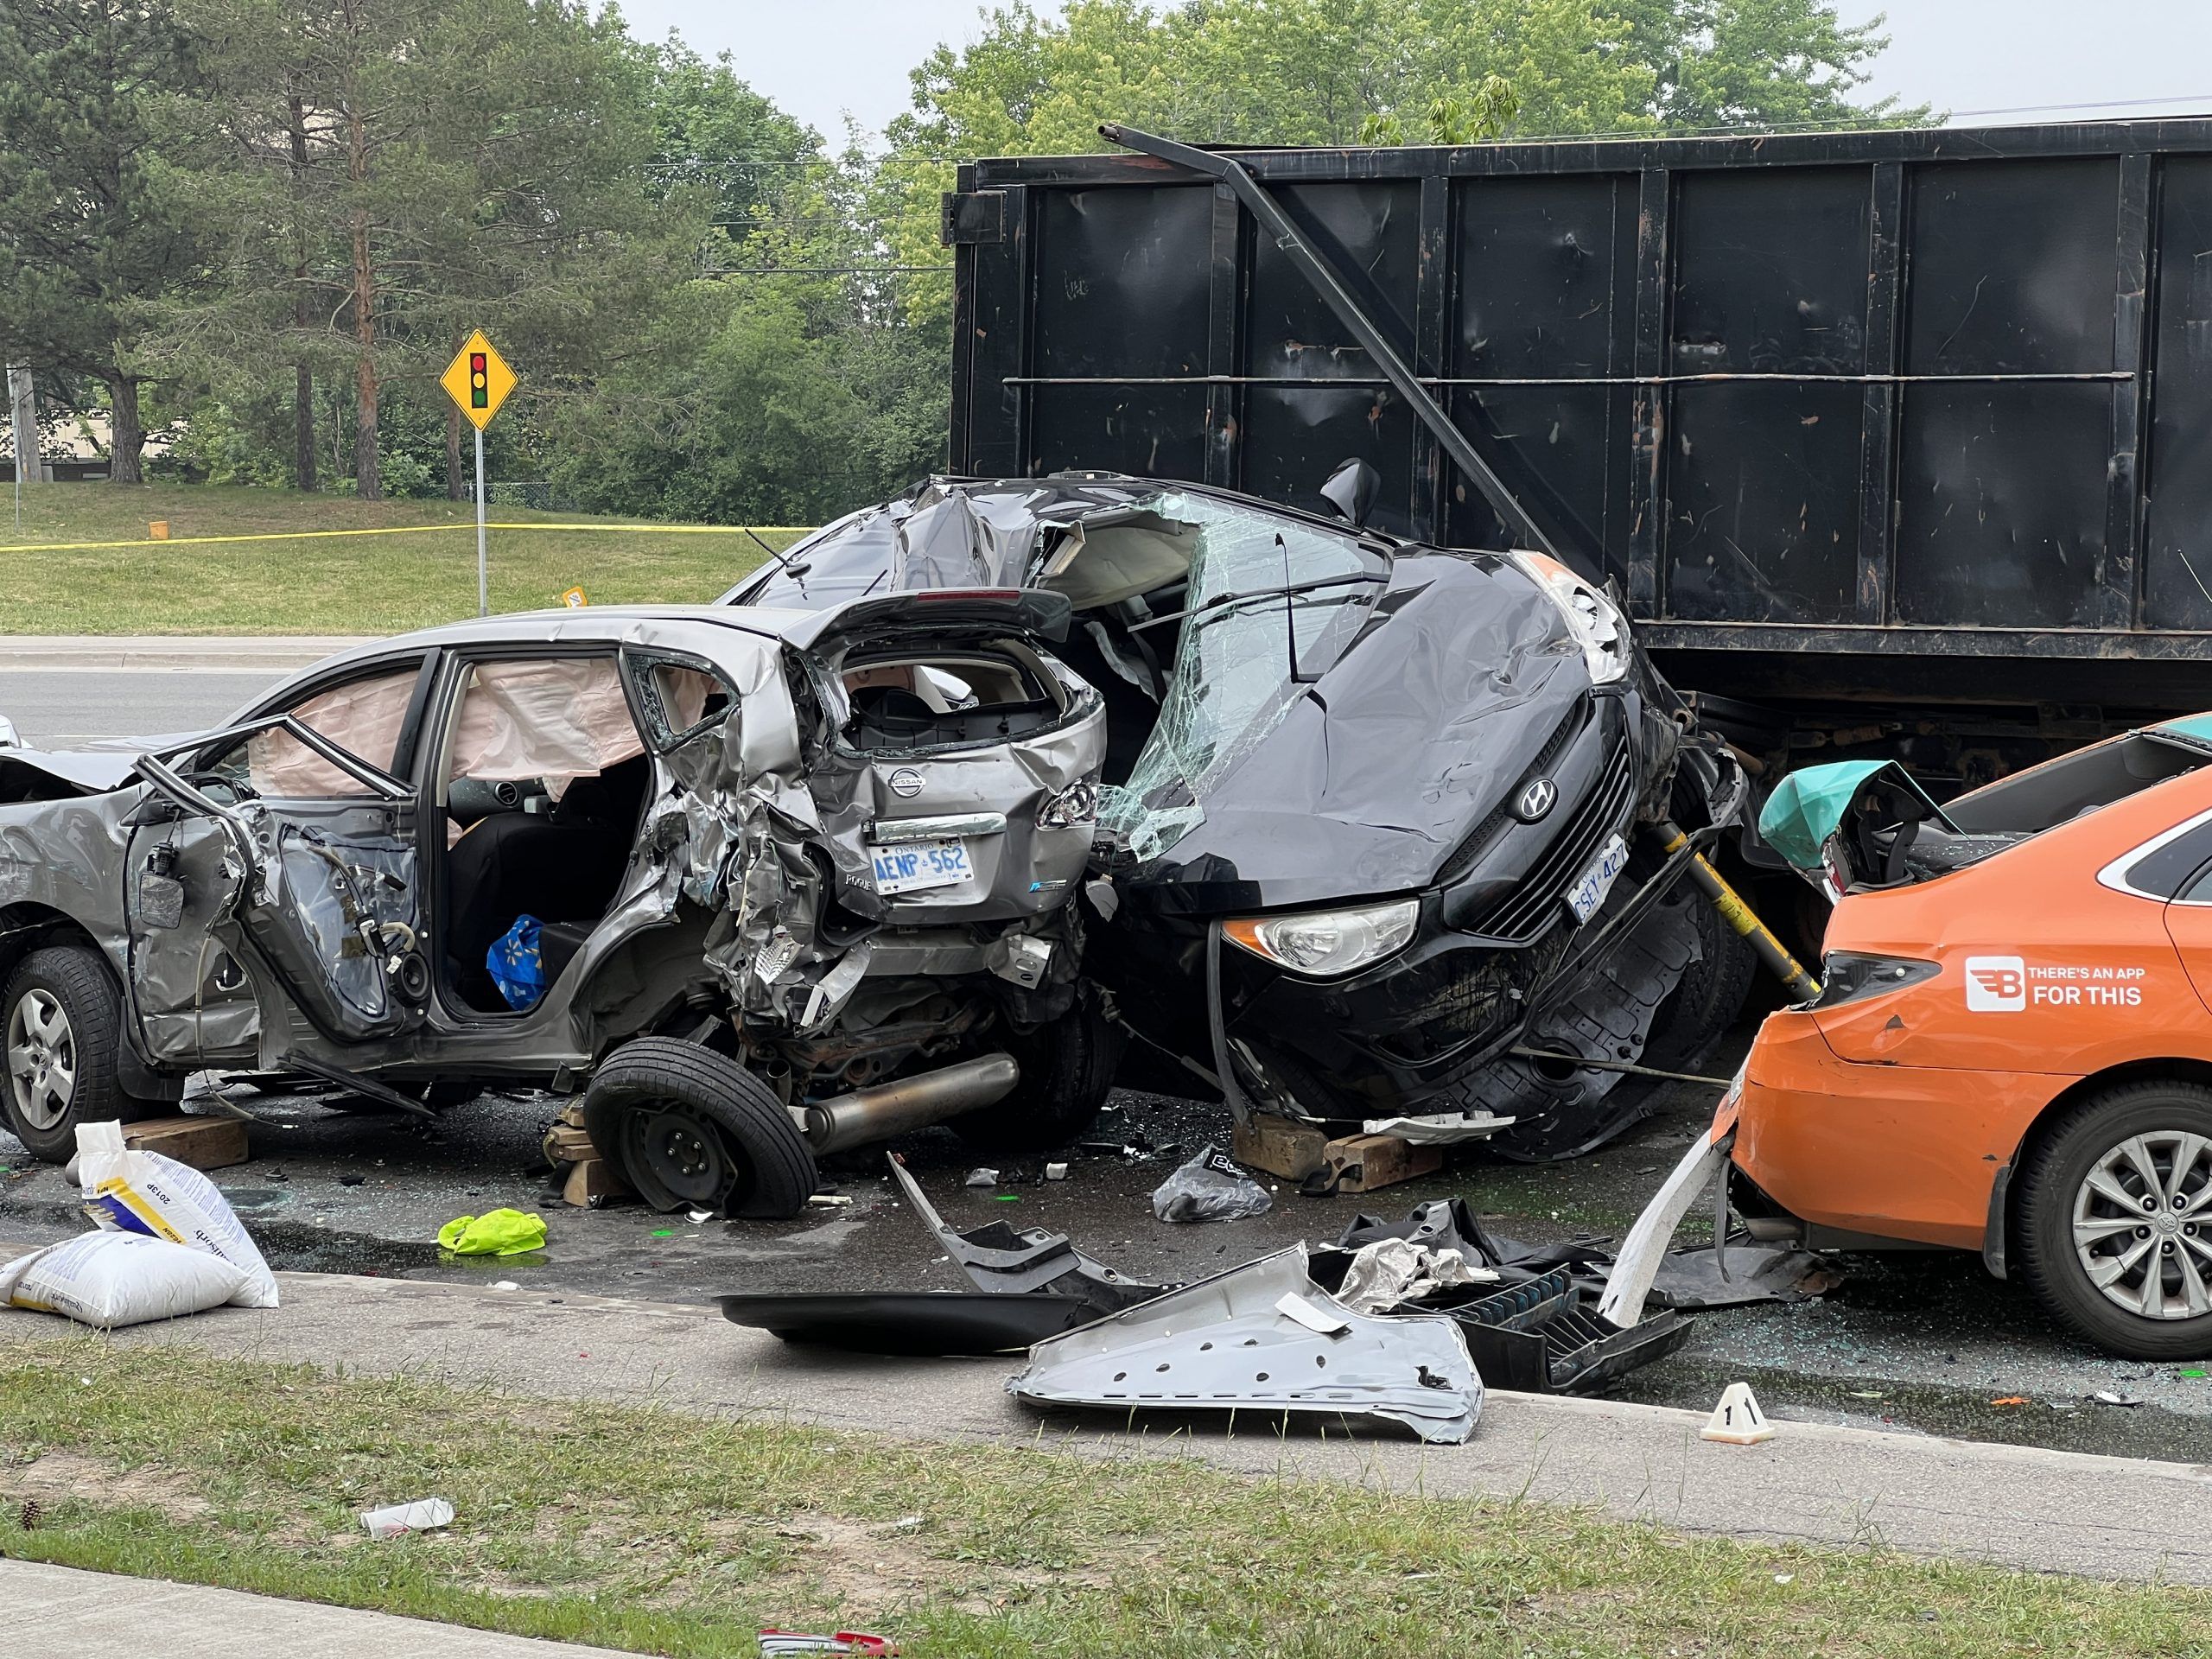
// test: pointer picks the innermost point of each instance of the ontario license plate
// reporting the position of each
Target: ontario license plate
(1590, 889)
(910, 866)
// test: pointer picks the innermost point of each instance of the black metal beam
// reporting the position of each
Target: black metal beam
(1325, 283)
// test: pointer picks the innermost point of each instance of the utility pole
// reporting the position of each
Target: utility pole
(22, 416)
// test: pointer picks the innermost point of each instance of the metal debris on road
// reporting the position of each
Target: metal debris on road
(1263, 1336)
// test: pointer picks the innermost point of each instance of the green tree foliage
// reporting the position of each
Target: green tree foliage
(1339, 72)
(714, 312)
(90, 221)
(388, 173)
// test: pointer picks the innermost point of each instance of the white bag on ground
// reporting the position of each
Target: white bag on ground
(111, 1279)
(144, 1192)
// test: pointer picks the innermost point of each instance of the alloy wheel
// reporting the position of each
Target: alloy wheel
(2142, 1221)
(42, 1059)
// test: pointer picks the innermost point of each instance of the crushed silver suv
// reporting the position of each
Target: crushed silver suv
(766, 884)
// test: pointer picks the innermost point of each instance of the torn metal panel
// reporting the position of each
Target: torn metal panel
(1263, 1336)
(1002, 1262)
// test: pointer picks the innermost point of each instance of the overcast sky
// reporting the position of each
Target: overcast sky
(821, 59)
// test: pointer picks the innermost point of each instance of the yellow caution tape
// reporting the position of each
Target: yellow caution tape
(411, 530)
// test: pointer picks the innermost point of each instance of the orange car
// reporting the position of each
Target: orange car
(2011, 1052)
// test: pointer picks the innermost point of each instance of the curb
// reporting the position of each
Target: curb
(168, 654)
(1817, 1484)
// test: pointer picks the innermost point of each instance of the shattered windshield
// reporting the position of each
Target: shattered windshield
(1245, 646)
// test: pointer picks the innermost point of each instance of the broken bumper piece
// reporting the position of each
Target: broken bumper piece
(1265, 1338)
(913, 1323)
(1540, 1338)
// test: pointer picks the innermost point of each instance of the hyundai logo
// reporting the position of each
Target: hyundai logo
(1535, 801)
(906, 783)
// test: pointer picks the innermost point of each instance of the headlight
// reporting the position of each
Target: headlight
(1077, 803)
(1322, 942)
(1847, 976)
(1593, 619)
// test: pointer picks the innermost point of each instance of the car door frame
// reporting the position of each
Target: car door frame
(276, 989)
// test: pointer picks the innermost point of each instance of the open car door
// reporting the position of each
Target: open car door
(289, 865)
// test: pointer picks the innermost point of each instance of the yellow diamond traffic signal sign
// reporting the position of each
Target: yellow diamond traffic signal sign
(478, 380)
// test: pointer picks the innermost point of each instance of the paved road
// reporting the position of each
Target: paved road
(57, 708)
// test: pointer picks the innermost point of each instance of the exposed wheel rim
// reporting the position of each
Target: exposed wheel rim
(685, 1153)
(2142, 1222)
(42, 1059)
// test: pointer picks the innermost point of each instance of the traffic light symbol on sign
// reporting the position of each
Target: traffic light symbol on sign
(477, 381)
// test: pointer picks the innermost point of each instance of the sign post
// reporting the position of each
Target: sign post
(478, 380)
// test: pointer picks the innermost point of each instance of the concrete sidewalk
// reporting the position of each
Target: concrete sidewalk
(272, 653)
(57, 1613)
(2047, 1510)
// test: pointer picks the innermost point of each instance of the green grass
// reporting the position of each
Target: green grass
(366, 584)
(650, 1530)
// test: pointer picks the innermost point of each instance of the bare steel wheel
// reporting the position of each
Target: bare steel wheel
(2139, 1216)
(2113, 1219)
(690, 1128)
(42, 1059)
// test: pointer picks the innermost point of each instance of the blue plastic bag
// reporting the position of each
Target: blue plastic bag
(517, 962)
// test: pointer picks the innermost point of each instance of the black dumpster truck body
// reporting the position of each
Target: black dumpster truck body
(1892, 442)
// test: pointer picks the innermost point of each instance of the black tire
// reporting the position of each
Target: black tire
(2052, 1179)
(1067, 1072)
(70, 982)
(1699, 1011)
(689, 1128)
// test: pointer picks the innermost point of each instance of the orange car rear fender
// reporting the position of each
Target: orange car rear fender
(1899, 1152)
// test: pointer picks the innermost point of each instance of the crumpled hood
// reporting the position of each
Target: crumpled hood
(1462, 674)
(93, 771)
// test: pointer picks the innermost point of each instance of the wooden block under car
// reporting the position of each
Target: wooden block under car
(1279, 1146)
(1363, 1163)
(591, 1181)
(202, 1142)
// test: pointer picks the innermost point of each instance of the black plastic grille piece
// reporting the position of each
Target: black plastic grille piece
(1477, 841)
(1524, 915)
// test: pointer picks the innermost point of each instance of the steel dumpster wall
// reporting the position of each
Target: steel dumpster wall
(1801, 392)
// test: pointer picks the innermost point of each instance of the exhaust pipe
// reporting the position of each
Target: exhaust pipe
(914, 1102)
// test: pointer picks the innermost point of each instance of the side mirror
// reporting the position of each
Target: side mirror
(1351, 490)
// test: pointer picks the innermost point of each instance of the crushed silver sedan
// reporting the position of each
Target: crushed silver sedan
(765, 884)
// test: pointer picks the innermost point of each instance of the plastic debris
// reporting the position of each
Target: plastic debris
(2110, 1397)
(830, 1200)
(399, 1519)
(517, 962)
(982, 1178)
(1211, 1187)
(1737, 1420)
(2011, 1400)
(496, 1232)
(775, 1643)
(699, 1218)
(1395, 1270)
(1056, 1172)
